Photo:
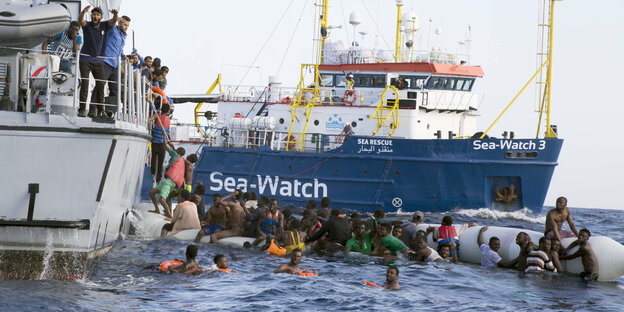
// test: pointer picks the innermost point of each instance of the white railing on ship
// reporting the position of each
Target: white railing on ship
(357, 56)
(131, 105)
(277, 141)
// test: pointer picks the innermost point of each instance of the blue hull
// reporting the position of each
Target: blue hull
(366, 174)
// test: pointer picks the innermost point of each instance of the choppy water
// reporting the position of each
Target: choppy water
(121, 281)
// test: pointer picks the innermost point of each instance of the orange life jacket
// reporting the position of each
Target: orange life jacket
(225, 270)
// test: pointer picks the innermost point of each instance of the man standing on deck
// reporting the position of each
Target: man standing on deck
(556, 217)
(237, 215)
(90, 58)
(216, 218)
(65, 45)
(113, 48)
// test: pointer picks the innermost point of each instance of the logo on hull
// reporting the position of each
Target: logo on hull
(334, 123)
(269, 185)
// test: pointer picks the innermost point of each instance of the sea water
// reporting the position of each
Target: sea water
(126, 279)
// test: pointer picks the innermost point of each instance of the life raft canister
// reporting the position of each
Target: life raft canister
(176, 171)
(350, 96)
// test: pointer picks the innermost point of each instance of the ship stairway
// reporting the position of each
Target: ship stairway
(387, 112)
(307, 95)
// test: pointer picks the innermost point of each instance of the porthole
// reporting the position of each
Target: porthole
(281, 121)
(316, 122)
(354, 124)
(335, 170)
(398, 173)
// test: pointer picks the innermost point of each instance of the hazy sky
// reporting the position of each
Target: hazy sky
(199, 39)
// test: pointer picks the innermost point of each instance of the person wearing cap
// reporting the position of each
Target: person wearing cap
(411, 227)
(91, 61)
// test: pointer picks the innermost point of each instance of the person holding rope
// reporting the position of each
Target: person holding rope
(160, 131)
(175, 177)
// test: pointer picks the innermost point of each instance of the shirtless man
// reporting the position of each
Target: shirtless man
(221, 264)
(524, 242)
(555, 247)
(590, 263)
(293, 266)
(392, 279)
(555, 219)
(237, 217)
(216, 218)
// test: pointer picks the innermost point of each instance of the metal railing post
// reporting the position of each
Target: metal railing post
(118, 99)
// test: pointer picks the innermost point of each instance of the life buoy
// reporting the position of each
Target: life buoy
(291, 143)
(347, 96)
(371, 284)
(286, 100)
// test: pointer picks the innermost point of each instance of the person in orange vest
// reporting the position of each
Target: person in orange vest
(221, 264)
(175, 178)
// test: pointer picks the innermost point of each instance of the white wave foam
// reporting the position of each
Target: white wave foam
(485, 213)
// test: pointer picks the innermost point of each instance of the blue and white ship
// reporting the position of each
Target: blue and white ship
(379, 144)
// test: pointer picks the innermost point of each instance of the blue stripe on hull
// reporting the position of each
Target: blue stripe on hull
(366, 173)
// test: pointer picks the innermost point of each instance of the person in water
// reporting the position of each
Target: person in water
(293, 266)
(388, 242)
(410, 228)
(271, 223)
(444, 251)
(216, 218)
(190, 265)
(539, 260)
(392, 279)
(198, 198)
(523, 240)
(446, 233)
(293, 238)
(175, 169)
(590, 262)
(424, 253)
(338, 231)
(221, 264)
(489, 252)
(555, 218)
(184, 216)
(362, 241)
(555, 248)
(237, 214)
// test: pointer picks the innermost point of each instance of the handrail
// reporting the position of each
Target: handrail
(394, 112)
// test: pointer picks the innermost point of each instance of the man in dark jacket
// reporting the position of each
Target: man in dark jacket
(337, 228)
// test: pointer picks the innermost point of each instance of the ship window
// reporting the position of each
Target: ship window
(340, 81)
(378, 81)
(362, 81)
(442, 83)
(418, 82)
(328, 80)
(468, 85)
(460, 84)
(451, 84)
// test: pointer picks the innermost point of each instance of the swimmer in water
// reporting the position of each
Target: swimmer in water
(190, 263)
(445, 252)
(392, 279)
(221, 264)
(293, 266)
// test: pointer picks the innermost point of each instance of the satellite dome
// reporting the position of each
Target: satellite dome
(355, 18)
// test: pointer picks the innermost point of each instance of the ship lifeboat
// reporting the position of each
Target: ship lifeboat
(22, 26)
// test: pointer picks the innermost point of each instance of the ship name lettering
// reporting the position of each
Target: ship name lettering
(269, 185)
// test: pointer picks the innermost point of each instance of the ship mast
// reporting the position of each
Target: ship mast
(546, 51)
(397, 47)
(323, 29)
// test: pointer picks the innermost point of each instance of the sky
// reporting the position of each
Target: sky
(199, 39)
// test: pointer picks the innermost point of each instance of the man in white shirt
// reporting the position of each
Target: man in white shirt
(489, 253)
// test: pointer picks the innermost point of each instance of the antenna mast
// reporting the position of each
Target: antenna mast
(323, 31)
(545, 53)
